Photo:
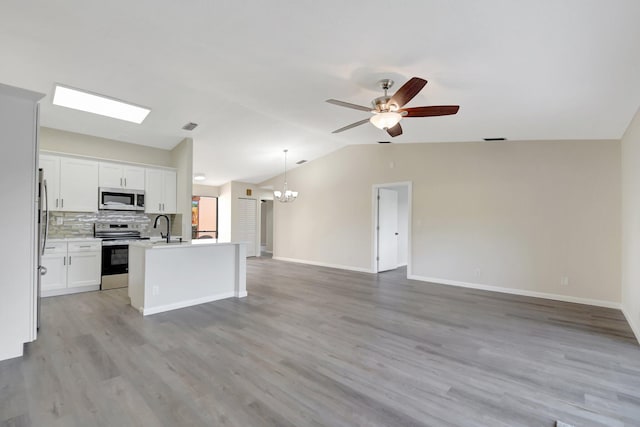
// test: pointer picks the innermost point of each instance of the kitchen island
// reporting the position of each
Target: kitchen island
(168, 276)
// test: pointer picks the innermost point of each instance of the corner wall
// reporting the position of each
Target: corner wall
(631, 224)
(182, 160)
(511, 216)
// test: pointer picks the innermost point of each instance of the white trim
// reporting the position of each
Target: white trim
(324, 264)
(69, 291)
(634, 326)
(187, 303)
(241, 294)
(522, 292)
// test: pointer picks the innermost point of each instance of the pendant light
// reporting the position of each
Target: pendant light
(286, 195)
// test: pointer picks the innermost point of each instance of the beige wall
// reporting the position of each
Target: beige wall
(182, 160)
(205, 190)
(512, 215)
(85, 145)
(631, 224)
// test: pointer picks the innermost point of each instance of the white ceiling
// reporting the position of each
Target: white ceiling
(255, 74)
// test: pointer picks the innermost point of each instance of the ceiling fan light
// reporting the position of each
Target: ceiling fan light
(385, 120)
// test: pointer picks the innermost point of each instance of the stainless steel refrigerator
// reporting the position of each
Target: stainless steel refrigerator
(43, 233)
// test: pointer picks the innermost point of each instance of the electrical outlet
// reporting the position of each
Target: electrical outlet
(156, 290)
(564, 281)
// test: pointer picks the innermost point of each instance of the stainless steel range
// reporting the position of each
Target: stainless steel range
(115, 252)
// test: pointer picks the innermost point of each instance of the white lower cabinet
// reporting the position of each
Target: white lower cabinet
(71, 267)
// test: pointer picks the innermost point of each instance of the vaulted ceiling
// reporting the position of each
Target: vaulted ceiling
(254, 75)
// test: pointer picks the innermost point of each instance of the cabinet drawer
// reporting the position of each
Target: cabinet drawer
(55, 248)
(85, 246)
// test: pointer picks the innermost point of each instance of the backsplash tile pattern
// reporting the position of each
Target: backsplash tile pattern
(80, 224)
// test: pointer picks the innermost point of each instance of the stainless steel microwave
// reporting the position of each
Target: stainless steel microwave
(118, 199)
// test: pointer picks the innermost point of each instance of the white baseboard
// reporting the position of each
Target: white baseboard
(188, 303)
(241, 294)
(68, 291)
(523, 292)
(323, 264)
(635, 327)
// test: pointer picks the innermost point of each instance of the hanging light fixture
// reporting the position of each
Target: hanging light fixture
(286, 195)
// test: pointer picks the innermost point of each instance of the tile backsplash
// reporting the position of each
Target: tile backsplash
(80, 224)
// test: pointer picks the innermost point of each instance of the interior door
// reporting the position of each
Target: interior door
(248, 224)
(387, 229)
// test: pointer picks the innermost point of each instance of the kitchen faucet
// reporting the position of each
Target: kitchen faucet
(155, 225)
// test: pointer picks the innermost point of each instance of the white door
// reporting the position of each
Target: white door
(78, 185)
(248, 224)
(153, 188)
(387, 229)
(51, 169)
(133, 178)
(169, 192)
(83, 269)
(111, 175)
(56, 277)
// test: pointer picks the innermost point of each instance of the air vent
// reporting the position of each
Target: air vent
(190, 126)
(301, 162)
(495, 139)
(384, 142)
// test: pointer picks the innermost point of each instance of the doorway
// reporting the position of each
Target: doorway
(266, 228)
(204, 217)
(391, 227)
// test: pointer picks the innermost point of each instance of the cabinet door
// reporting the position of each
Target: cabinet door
(153, 188)
(51, 168)
(78, 185)
(169, 192)
(56, 277)
(83, 269)
(111, 175)
(133, 178)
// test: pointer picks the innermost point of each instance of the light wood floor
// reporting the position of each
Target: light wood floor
(314, 346)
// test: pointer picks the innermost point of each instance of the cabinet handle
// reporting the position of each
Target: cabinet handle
(69, 260)
(163, 207)
(125, 182)
(56, 203)
(62, 203)
(64, 261)
(120, 182)
(85, 246)
(160, 206)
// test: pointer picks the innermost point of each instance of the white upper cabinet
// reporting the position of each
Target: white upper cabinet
(72, 184)
(50, 166)
(78, 185)
(160, 191)
(114, 175)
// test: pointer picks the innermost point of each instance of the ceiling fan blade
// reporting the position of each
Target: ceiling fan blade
(435, 110)
(352, 125)
(349, 105)
(395, 131)
(408, 91)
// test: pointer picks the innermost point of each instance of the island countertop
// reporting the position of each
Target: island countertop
(165, 277)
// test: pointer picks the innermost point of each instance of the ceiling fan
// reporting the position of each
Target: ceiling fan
(387, 110)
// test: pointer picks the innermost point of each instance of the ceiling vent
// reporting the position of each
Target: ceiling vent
(190, 126)
(301, 162)
(495, 139)
(384, 142)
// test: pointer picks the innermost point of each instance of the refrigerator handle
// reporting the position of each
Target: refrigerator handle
(46, 215)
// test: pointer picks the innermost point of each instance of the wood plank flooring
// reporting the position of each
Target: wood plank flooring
(314, 346)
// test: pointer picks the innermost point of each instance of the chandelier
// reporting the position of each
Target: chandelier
(286, 195)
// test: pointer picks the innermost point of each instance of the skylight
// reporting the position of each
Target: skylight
(98, 104)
